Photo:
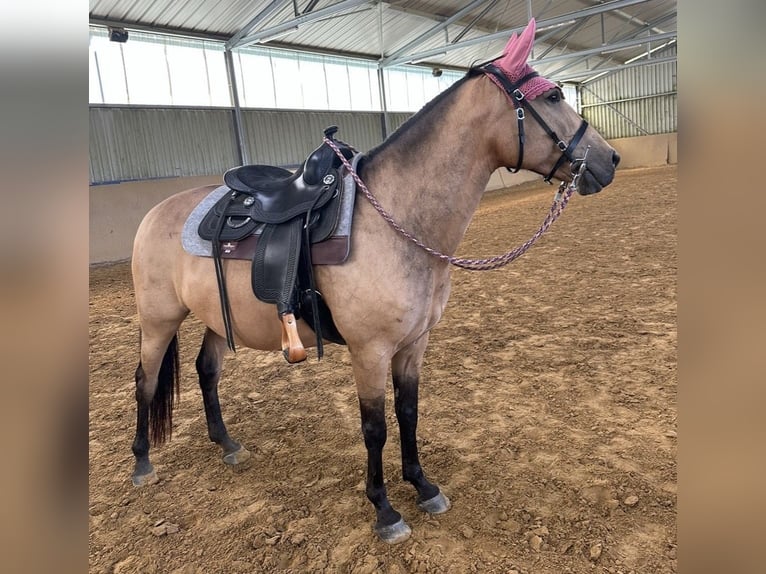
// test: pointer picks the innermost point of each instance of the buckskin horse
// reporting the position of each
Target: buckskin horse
(429, 176)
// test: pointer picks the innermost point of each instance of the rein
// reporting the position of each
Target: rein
(560, 201)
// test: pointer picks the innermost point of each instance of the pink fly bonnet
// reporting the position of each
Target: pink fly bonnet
(513, 63)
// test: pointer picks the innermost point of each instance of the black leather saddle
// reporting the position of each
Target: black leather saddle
(288, 211)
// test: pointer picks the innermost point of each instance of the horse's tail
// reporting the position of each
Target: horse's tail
(168, 391)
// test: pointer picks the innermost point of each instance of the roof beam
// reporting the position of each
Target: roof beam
(607, 48)
(628, 36)
(432, 31)
(476, 18)
(576, 26)
(262, 15)
(504, 34)
(574, 75)
(310, 6)
(628, 18)
(299, 21)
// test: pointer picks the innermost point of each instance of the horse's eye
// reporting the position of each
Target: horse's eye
(554, 97)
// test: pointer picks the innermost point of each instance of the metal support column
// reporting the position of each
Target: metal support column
(239, 132)
(385, 126)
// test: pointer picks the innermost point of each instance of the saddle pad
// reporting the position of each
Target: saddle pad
(333, 251)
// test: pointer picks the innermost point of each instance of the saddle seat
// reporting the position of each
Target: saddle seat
(279, 195)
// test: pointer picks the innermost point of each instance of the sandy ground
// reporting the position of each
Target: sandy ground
(548, 416)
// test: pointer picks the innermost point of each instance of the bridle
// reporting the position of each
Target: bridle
(560, 200)
(519, 101)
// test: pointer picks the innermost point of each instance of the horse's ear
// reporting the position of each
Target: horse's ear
(511, 41)
(517, 50)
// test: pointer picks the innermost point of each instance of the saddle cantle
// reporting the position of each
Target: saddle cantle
(288, 212)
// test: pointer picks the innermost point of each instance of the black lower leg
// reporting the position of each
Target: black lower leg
(374, 431)
(141, 441)
(406, 405)
(209, 370)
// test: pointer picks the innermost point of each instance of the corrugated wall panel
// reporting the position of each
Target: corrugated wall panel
(146, 143)
(286, 137)
(634, 102)
(130, 143)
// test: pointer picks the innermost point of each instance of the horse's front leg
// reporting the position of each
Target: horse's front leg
(405, 368)
(209, 362)
(389, 524)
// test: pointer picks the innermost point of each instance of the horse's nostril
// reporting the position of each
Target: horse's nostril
(615, 158)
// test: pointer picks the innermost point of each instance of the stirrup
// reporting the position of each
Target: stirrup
(292, 347)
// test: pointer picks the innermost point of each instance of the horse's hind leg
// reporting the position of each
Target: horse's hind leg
(208, 364)
(405, 368)
(156, 387)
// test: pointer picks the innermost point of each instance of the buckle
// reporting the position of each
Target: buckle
(520, 113)
(518, 94)
(562, 145)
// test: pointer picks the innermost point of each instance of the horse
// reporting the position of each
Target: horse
(429, 175)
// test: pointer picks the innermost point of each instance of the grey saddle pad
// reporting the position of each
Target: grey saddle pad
(332, 251)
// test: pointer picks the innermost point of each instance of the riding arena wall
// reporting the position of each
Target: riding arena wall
(116, 209)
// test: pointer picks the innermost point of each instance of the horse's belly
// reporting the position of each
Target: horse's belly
(255, 323)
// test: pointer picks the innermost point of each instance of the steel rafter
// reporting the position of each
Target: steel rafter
(299, 21)
(647, 26)
(247, 28)
(606, 7)
(574, 75)
(607, 48)
(432, 31)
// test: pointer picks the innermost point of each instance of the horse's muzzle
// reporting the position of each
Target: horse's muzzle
(596, 177)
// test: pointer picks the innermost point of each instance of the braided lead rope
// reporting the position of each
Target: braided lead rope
(559, 203)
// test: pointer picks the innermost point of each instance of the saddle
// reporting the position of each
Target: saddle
(288, 212)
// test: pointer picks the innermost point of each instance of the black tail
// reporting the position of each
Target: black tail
(168, 391)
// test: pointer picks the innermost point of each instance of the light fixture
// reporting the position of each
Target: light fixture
(118, 34)
(436, 72)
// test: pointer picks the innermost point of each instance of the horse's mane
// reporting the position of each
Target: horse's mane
(425, 117)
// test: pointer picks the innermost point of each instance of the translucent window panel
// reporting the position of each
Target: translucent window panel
(338, 93)
(287, 81)
(359, 85)
(108, 55)
(217, 78)
(147, 73)
(94, 82)
(570, 95)
(396, 90)
(312, 78)
(188, 75)
(415, 93)
(256, 83)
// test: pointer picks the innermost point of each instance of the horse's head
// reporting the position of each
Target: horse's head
(550, 138)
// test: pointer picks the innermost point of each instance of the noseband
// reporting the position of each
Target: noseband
(513, 90)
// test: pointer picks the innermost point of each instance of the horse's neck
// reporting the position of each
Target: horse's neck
(432, 175)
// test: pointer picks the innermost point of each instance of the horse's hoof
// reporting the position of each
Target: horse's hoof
(394, 533)
(238, 456)
(436, 505)
(145, 479)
